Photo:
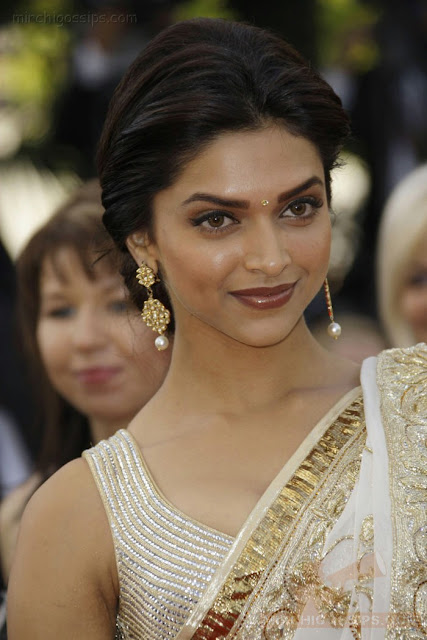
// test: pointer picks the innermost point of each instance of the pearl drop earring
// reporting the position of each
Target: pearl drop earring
(154, 313)
(334, 329)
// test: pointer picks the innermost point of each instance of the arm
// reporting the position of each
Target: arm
(64, 581)
(11, 510)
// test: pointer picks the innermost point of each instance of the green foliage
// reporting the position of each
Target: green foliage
(345, 34)
(34, 63)
(204, 9)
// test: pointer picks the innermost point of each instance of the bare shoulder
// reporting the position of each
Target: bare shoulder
(61, 490)
(63, 575)
(62, 504)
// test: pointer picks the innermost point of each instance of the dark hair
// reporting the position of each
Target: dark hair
(197, 79)
(62, 431)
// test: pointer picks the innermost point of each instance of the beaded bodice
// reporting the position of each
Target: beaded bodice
(165, 560)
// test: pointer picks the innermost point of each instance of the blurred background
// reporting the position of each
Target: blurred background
(60, 61)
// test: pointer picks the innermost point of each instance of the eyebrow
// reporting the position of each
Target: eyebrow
(52, 295)
(113, 287)
(61, 292)
(245, 204)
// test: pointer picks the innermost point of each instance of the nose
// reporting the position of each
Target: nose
(266, 249)
(89, 333)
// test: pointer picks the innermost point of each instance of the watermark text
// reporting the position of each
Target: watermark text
(61, 19)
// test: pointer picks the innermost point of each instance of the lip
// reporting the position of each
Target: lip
(265, 297)
(97, 375)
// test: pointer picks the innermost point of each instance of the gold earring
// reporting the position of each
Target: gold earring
(334, 329)
(154, 313)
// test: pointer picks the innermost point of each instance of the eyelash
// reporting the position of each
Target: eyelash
(66, 311)
(315, 203)
(60, 312)
(419, 279)
(119, 306)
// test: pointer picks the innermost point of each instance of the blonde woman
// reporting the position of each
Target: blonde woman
(402, 261)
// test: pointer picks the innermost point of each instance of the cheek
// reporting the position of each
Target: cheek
(121, 338)
(199, 270)
(414, 305)
(53, 346)
(316, 254)
(312, 250)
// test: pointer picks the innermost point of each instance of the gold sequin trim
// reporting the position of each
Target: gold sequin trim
(299, 519)
(402, 380)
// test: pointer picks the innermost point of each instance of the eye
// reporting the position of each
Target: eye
(303, 209)
(298, 208)
(60, 312)
(214, 221)
(118, 306)
(418, 279)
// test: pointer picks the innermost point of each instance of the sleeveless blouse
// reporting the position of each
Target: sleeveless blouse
(165, 559)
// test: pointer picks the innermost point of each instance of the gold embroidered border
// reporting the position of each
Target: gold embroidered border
(365, 574)
(280, 520)
(294, 579)
(402, 380)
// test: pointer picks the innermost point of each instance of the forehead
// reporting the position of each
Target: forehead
(66, 267)
(244, 162)
(416, 252)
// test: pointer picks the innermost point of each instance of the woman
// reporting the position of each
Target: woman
(92, 361)
(246, 499)
(402, 261)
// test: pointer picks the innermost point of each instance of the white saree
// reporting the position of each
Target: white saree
(337, 546)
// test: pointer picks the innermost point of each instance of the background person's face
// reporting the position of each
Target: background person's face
(96, 349)
(413, 303)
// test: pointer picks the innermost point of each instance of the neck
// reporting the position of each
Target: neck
(220, 371)
(101, 429)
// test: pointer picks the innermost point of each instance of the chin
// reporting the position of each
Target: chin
(263, 340)
(270, 336)
(265, 344)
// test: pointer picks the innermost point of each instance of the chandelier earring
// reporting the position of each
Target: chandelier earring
(154, 313)
(334, 329)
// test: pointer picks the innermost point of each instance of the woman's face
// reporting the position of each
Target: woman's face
(97, 352)
(414, 293)
(242, 237)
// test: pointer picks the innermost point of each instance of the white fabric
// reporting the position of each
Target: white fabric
(370, 497)
(381, 504)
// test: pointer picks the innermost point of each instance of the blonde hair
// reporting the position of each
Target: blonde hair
(403, 223)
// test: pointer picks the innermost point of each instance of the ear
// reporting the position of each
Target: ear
(142, 249)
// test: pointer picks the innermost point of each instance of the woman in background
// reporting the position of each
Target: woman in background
(92, 361)
(402, 261)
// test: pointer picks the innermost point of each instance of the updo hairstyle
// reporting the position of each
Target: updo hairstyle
(196, 80)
